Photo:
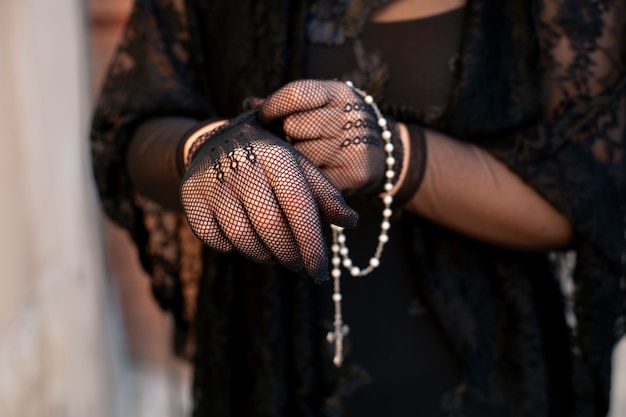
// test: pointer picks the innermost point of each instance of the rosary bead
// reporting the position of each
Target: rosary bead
(339, 248)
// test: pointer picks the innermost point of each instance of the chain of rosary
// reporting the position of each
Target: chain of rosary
(340, 252)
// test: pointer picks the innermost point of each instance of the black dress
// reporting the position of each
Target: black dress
(405, 364)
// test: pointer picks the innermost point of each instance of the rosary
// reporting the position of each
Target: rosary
(340, 252)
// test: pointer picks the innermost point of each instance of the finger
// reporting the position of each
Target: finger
(300, 209)
(298, 96)
(202, 220)
(320, 152)
(265, 214)
(235, 225)
(329, 199)
(337, 177)
(320, 123)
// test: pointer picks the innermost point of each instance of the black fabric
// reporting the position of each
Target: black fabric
(154, 158)
(558, 121)
(418, 156)
(429, 67)
(406, 362)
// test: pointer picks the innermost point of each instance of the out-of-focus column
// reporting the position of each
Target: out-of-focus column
(58, 346)
(160, 382)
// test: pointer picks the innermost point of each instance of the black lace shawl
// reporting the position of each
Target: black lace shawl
(540, 85)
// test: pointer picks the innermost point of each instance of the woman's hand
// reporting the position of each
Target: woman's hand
(334, 127)
(248, 190)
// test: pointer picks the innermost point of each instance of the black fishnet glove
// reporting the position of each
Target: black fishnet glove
(336, 129)
(246, 189)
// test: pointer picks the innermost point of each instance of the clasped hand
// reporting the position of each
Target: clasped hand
(333, 126)
(249, 190)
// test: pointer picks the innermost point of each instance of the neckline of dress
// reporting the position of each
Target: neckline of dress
(432, 17)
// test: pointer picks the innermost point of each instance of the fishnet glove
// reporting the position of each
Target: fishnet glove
(246, 189)
(336, 129)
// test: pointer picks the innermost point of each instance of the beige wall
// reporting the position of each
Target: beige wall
(58, 344)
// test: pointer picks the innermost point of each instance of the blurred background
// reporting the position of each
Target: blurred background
(79, 332)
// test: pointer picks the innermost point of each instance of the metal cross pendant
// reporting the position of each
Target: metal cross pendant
(336, 337)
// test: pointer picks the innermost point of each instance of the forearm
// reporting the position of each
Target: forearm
(155, 155)
(467, 189)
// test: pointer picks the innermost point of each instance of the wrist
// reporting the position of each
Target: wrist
(413, 163)
(200, 134)
(400, 130)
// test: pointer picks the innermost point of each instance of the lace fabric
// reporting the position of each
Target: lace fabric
(145, 79)
(540, 85)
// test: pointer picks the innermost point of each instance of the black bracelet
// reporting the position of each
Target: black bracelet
(416, 166)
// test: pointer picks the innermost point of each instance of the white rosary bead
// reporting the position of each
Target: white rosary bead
(339, 248)
(338, 359)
